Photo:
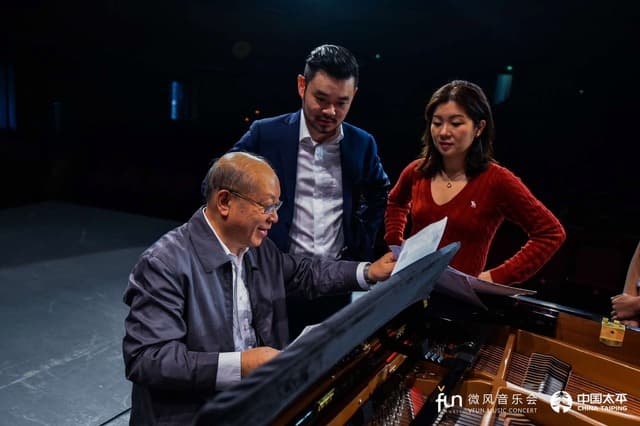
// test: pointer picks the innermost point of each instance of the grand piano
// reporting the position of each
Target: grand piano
(403, 354)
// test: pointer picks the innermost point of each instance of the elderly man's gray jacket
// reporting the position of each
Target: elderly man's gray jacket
(181, 299)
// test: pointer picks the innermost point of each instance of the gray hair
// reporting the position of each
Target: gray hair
(230, 171)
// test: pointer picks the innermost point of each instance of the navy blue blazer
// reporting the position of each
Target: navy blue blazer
(365, 184)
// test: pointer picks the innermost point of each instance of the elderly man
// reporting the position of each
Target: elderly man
(207, 300)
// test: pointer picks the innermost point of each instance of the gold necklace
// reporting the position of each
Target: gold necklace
(450, 179)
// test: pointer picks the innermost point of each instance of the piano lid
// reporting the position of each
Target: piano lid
(259, 398)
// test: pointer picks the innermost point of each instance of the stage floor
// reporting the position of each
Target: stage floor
(63, 270)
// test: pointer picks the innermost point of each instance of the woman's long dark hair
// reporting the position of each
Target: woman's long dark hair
(473, 101)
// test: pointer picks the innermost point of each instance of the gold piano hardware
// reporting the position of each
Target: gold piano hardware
(326, 399)
(611, 332)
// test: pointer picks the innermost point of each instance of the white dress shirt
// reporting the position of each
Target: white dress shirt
(317, 215)
(244, 336)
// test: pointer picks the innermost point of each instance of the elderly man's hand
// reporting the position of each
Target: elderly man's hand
(381, 269)
(254, 358)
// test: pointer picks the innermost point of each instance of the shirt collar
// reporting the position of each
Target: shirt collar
(224, 246)
(304, 132)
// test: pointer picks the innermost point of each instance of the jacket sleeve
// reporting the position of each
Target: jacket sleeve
(153, 348)
(318, 276)
(370, 208)
(544, 231)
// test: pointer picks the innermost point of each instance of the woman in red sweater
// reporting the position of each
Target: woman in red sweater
(456, 176)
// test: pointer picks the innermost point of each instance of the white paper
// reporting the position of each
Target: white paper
(304, 331)
(419, 245)
(395, 250)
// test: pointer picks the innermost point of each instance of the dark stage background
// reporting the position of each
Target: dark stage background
(91, 86)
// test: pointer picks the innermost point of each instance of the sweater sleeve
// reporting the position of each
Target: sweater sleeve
(544, 231)
(399, 205)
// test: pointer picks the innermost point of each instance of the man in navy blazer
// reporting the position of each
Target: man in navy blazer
(364, 181)
(333, 185)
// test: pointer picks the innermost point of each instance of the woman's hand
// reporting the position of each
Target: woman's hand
(486, 276)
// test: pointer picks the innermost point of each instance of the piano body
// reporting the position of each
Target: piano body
(401, 355)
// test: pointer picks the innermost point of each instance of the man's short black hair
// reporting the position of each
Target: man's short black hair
(337, 61)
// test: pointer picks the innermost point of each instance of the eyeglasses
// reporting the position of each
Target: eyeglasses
(272, 208)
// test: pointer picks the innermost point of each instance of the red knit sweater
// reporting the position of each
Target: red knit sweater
(474, 216)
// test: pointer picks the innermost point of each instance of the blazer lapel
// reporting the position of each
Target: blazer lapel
(289, 157)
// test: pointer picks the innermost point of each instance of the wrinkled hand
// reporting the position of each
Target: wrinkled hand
(381, 269)
(254, 358)
(625, 307)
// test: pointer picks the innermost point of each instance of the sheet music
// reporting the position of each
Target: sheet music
(481, 286)
(457, 284)
(419, 245)
(465, 287)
